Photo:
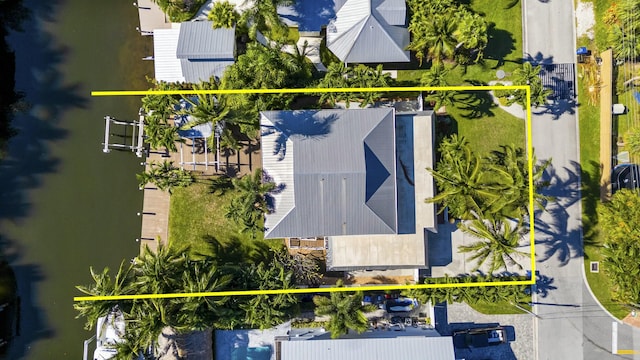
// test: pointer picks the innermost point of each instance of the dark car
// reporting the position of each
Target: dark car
(625, 176)
(401, 305)
(480, 337)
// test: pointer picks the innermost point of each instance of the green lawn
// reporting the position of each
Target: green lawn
(488, 132)
(489, 126)
(196, 214)
(504, 49)
(498, 308)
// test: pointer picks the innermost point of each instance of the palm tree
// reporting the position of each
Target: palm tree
(165, 176)
(251, 201)
(223, 15)
(471, 34)
(345, 310)
(440, 38)
(498, 243)
(464, 185)
(265, 311)
(512, 164)
(263, 16)
(199, 313)
(529, 75)
(103, 285)
(436, 76)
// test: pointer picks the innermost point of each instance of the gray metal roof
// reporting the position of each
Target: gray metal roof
(364, 32)
(336, 171)
(202, 70)
(198, 40)
(393, 12)
(405, 348)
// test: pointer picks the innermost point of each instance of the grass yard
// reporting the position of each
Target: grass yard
(498, 308)
(504, 49)
(486, 133)
(196, 214)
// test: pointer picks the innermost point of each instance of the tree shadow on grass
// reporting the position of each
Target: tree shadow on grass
(591, 173)
(475, 104)
(500, 45)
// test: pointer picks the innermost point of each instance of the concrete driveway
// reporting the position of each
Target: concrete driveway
(519, 328)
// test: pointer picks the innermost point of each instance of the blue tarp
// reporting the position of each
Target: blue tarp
(636, 95)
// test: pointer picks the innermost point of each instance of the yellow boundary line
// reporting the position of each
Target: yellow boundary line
(530, 281)
(627, 352)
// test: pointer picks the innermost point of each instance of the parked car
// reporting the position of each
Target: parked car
(479, 337)
(401, 305)
(625, 176)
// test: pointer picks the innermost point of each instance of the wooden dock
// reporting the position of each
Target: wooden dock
(151, 17)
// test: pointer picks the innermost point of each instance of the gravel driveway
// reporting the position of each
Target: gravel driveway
(519, 332)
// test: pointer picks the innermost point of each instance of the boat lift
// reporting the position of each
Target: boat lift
(137, 135)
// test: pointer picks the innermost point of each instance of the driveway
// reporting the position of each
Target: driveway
(519, 328)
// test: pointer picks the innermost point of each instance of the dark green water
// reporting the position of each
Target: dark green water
(64, 205)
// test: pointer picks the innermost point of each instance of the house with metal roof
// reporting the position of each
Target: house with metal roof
(192, 52)
(370, 31)
(405, 347)
(347, 175)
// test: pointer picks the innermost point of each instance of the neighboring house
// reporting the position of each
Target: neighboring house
(286, 343)
(192, 52)
(348, 175)
(405, 348)
(370, 31)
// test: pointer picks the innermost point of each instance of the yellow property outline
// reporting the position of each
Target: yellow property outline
(529, 145)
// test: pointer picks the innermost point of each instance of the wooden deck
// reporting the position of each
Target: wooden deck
(151, 17)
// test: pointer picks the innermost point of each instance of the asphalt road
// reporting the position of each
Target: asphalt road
(570, 324)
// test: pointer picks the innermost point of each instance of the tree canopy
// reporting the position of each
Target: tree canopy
(445, 29)
(620, 221)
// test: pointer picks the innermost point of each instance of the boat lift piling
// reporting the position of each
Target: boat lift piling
(137, 135)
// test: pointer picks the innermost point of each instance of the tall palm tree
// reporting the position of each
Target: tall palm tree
(199, 313)
(464, 185)
(265, 311)
(471, 34)
(512, 164)
(263, 16)
(345, 310)
(103, 285)
(498, 243)
(529, 75)
(223, 15)
(251, 201)
(440, 37)
(165, 176)
(436, 76)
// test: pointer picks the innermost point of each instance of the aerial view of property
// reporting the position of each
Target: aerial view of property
(320, 179)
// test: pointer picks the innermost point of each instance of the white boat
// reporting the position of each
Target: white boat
(109, 332)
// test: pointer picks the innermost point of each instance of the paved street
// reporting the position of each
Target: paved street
(571, 325)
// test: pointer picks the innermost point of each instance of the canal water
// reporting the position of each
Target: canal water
(64, 205)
